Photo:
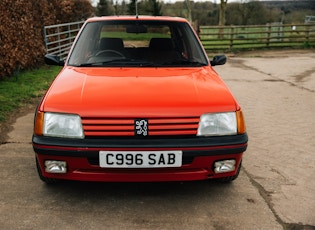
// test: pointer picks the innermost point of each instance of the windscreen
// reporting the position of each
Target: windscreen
(137, 43)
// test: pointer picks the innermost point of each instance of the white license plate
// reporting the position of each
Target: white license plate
(140, 159)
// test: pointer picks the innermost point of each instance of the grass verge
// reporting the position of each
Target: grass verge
(23, 87)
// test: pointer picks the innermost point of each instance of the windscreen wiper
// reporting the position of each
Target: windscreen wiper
(186, 63)
(103, 63)
(119, 62)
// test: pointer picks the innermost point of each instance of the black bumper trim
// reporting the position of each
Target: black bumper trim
(183, 142)
(188, 153)
(90, 147)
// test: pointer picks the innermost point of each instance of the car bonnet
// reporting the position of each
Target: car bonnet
(138, 92)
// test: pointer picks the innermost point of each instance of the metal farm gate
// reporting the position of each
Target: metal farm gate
(59, 38)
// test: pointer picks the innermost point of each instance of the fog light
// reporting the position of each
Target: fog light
(224, 166)
(55, 166)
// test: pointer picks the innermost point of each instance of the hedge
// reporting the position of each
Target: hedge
(21, 29)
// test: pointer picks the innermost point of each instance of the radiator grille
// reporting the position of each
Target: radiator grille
(126, 126)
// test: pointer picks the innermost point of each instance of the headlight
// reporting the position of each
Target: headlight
(62, 125)
(217, 124)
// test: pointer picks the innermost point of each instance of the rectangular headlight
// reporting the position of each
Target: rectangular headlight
(217, 124)
(62, 125)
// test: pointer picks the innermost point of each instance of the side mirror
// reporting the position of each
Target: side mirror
(51, 59)
(218, 60)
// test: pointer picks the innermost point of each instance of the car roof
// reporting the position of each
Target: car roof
(134, 17)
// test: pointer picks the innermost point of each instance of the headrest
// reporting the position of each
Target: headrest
(111, 44)
(164, 44)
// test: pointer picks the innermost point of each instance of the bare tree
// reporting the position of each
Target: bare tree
(105, 7)
(222, 12)
(188, 10)
(222, 16)
(156, 8)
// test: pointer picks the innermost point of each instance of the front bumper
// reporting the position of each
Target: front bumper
(82, 157)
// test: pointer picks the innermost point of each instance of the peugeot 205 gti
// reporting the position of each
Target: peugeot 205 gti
(138, 100)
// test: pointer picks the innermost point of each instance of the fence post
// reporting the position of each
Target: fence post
(280, 32)
(307, 33)
(231, 37)
(268, 34)
(45, 39)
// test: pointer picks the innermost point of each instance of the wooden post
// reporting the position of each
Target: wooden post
(307, 33)
(231, 37)
(268, 35)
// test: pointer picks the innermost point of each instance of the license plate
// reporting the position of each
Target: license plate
(140, 159)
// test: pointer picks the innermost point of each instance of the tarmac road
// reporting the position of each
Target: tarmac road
(275, 190)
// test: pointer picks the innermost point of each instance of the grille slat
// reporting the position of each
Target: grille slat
(168, 126)
(173, 127)
(108, 128)
(100, 121)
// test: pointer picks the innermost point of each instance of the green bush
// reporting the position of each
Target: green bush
(21, 29)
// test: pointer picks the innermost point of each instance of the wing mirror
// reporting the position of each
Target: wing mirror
(218, 60)
(51, 59)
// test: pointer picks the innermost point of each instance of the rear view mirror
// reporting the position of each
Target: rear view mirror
(136, 29)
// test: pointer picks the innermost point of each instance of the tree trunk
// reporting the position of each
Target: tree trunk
(222, 17)
(188, 11)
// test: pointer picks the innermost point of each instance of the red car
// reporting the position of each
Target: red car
(138, 100)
